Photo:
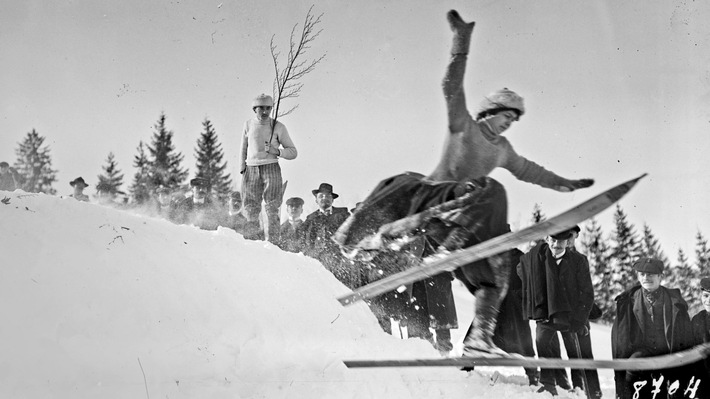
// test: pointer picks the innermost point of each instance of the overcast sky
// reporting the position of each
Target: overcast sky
(612, 89)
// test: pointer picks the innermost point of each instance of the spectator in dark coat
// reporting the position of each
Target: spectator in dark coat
(589, 377)
(651, 320)
(701, 334)
(79, 185)
(10, 180)
(289, 236)
(236, 219)
(558, 294)
(199, 209)
(317, 230)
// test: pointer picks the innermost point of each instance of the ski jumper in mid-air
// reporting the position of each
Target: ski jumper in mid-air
(473, 148)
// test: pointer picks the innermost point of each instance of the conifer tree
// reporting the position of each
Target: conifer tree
(684, 277)
(537, 217)
(112, 179)
(34, 164)
(702, 255)
(625, 250)
(595, 247)
(209, 157)
(140, 188)
(164, 162)
(650, 247)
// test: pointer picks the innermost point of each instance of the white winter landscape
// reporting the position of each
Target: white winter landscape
(103, 303)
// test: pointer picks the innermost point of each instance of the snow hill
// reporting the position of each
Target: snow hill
(103, 303)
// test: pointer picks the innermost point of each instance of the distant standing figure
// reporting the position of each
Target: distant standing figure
(289, 229)
(79, 185)
(651, 320)
(10, 180)
(264, 141)
(164, 201)
(199, 209)
(317, 230)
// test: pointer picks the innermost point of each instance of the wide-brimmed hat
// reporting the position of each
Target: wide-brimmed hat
(325, 188)
(78, 180)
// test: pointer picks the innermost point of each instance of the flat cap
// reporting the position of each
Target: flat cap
(649, 265)
(705, 284)
(294, 201)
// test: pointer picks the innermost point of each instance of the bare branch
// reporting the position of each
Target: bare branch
(286, 82)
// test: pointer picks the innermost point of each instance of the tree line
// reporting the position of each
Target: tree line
(157, 164)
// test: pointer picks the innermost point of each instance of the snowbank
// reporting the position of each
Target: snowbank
(102, 303)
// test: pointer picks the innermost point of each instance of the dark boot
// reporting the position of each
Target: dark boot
(480, 336)
(462, 33)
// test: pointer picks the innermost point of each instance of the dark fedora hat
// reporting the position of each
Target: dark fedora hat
(562, 235)
(325, 188)
(78, 180)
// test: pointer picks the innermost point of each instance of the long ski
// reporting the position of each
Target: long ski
(641, 363)
(493, 246)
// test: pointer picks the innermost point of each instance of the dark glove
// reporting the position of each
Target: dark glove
(583, 183)
(571, 185)
(580, 328)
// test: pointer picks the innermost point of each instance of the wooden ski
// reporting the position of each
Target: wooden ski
(640, 363)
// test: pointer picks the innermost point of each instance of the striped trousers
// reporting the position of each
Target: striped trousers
(262, 182)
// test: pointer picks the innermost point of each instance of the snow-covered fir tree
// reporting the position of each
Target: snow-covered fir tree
(595, 247)
(34, 164)
(684, 277)
(650, 246)
(111, 180)
(625, 250)
(165, 164)
(140, 188)
(209, 157)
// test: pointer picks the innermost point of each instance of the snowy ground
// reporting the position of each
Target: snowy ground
(102, 303)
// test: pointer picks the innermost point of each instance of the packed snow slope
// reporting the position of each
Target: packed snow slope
(103, 303)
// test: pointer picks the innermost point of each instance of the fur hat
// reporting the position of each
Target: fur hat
(294, 201)
(78, 180)
(649, 265)
(325, 188)
(501, 100)
(262, 100)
